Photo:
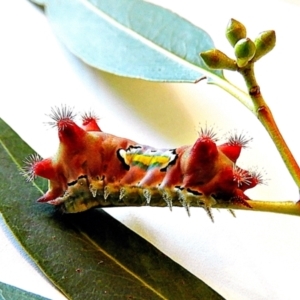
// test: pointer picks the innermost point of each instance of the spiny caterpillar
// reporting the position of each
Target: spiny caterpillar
(93, 168)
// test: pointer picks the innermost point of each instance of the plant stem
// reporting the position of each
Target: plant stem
(286, 207)
(265, 116)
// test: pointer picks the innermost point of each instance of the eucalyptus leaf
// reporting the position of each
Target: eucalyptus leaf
(134, 38)
(8, 292)
(87, 255)
(131, 38)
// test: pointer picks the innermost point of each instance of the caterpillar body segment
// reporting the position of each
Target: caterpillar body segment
(93, 168)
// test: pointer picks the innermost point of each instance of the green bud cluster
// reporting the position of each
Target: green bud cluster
(245, 49)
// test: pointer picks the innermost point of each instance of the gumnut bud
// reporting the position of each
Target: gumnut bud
(235, 31)
(244, 51)
(215, 59)
(264, 43)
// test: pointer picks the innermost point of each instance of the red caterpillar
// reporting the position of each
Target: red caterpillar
(93, 168)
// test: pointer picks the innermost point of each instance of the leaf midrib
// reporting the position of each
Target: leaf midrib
(118, 263)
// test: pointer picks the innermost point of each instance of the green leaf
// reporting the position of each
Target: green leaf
(8, 292)
(131, 38)
(137, 39)
(87, 255)
(134, 38)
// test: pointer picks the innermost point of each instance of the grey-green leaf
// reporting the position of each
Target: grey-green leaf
(131, 38)
(8, 292)
(87, 255)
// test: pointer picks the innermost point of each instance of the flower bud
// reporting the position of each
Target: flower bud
(215, 59)
(244, 51)
(235, 31)
(264, 43)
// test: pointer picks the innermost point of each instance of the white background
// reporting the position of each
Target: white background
(253, 256)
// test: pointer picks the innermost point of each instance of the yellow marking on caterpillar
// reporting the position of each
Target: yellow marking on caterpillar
(147, 159)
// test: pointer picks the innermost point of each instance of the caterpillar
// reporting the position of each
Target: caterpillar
(92, 168)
